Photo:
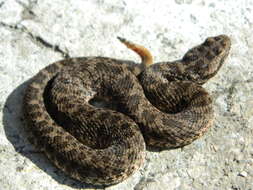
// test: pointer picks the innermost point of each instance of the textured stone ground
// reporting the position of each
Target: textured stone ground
(35, 33)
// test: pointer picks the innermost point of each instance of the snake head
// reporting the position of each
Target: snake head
(203, 61)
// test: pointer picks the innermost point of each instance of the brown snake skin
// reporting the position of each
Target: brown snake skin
(158, 105)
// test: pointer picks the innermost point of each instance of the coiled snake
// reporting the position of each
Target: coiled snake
(158, 105)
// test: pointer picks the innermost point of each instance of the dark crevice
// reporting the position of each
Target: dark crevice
(102, 102)
(1, 4)
(38, 39)
(45, 43)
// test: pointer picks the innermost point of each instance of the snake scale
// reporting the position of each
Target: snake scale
(160, 105)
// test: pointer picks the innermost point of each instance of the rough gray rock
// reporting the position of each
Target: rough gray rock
(35, 33)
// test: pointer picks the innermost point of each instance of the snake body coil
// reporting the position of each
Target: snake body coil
(158, 105)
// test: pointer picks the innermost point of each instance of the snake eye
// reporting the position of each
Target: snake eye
(217, 38)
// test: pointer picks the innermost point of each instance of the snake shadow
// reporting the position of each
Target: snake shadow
(16, 134)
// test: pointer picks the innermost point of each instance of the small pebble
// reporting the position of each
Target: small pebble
(243, 174)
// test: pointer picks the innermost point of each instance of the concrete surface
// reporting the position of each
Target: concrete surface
(35, 33)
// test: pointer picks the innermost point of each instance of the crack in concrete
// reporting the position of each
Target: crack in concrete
(230, 102)
(231, 90)
(140, 185)
(143, 182)
(38, 39)
(27, 12)
(1, 4)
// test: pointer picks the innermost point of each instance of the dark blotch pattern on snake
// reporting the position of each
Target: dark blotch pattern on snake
(158, 105)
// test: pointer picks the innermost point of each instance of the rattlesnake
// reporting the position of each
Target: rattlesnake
(158, 105)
